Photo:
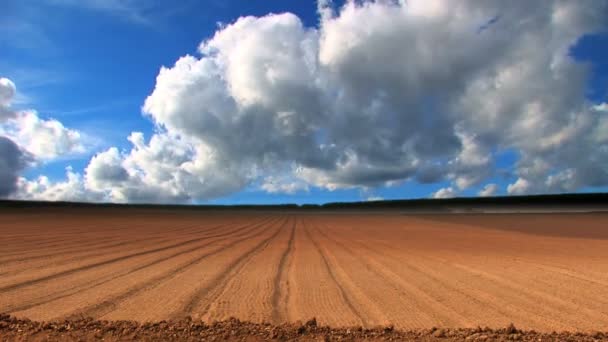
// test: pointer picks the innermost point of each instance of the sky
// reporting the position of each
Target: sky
(301, 102)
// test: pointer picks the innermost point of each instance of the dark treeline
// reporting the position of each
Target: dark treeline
(565, 200)
(590, 199)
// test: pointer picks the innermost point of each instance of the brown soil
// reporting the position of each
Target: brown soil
(235, 330)
(543, 272)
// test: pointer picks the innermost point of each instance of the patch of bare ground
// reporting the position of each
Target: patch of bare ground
(187, 329)
(542, 272)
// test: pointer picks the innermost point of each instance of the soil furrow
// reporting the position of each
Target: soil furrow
(539, 271)
(99, 282)
(424, 302)
(475, 292)
(329, 269)
(101, 251)
(280, 284)
(232, 269)
(99, 264)
(111, 303)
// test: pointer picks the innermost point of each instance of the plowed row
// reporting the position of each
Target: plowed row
(539, 271)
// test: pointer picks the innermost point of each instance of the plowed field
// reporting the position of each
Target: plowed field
(539, 271)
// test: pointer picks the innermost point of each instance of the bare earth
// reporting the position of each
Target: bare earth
(542, 272)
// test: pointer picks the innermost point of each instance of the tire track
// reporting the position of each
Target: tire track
(223, 278)
(99, 264)
(73, 290)
(277, 313)
(345, 298)
(112, 303)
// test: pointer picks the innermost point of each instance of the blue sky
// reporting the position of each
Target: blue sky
(91, 65)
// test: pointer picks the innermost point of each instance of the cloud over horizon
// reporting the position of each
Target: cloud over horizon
(27, 139)
(424, 91)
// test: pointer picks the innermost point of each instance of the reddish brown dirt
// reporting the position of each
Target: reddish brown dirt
(235, 330)
(542, 272)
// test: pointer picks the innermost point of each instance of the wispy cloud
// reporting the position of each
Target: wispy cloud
(136, 11)
(32, 81)
(23, 34)
(94, 108)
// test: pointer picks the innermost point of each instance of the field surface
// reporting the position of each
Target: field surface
(539, 271)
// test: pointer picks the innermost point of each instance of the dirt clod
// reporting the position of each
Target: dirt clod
(12, 328)
(439, 333)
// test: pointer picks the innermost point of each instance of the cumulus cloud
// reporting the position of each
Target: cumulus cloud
(285, 185)
(12, 157)
(44, 138)
(448, 192)
(424, 90)
(71, 189)
(12, 161)
(165, 169)
(602, 107)
(472, 164)
(362, 105)
(520, 187)
(489, 190)
(25, 139)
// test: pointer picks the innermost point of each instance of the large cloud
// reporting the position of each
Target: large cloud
(381, 92)
(448, 192)
(424, 88)
(45, 139)
(12, 161)
(488, 190)
(25, 139)
(71, 189)
(166, 169)
(12, 158)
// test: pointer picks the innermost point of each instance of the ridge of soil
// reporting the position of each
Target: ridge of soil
(187, 329)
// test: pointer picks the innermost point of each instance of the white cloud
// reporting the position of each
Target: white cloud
(520, 187)
(448, 192)
(375, 198)
(72, 189)
(472, 164)
(283, 184)
(488, 190)
(166, 169)
(602, 107)
(44, 138)
(351, 110)
(132, 10)
(7, 91)
(417, 92)
(105, 170)
(12, 161)
(25, 139)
